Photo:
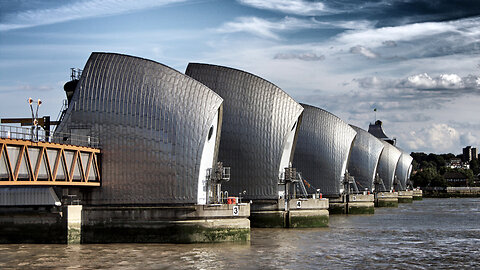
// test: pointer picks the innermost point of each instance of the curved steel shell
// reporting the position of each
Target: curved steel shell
(258, 120)
(387, 164)
(364, 158)
(322, 151)
(152, 123)
(402, 170)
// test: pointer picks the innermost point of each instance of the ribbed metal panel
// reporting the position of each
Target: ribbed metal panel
(409, 172)
(388, 164)
(402, 170)
(364, 158)
(151, 122)
(323, 147)
(28, 196)
(257, 118)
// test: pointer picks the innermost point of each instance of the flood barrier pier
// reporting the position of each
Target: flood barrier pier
(386, 199)
(352, 204)
(293, 213)
(417, 194)
(405, 196)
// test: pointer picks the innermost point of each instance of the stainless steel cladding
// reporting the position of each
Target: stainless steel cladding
(153, 124)
(387, 164)
(323, 146)
(258, 130)
(364, 158)
(403, 166)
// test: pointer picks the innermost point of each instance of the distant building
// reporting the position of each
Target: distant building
(377, 131)
(469, 153)
(457, 163)
(456, 179)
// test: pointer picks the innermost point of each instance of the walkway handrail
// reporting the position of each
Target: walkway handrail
(39, 135)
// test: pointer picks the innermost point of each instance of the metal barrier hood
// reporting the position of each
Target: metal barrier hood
(323, 146)
(364, 157)
(403, 169)
(152, 123)
(259, 127)
(388, 164)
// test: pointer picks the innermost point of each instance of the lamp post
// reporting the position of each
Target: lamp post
(34, 118)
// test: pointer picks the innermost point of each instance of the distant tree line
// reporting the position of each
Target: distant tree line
(428, 169)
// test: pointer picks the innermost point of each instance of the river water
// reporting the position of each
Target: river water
(428, 234)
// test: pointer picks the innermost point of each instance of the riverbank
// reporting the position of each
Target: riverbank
(452, 192)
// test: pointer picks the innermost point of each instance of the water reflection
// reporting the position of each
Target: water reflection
(433, 233)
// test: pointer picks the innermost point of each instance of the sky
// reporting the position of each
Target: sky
(416, 62)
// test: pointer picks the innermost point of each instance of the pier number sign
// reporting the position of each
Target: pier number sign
(299, 204)
(236, 211)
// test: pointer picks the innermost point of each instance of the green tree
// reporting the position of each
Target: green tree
(475, 166)
(428, 177)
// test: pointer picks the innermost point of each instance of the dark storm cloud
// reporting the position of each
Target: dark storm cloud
(384, 12)
(400, 12)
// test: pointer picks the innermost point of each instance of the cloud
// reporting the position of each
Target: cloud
(298, 7)
(376, 37)
(265, 28)
(469, 139)
(26, 88)
(439, 137)
(363, 51)
(389, 43)
(424, 81)
(75, 11)
(390, 12)
(419, 40)
(271, 28)
(309, 56)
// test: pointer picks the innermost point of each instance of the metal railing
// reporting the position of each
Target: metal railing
(39, 135)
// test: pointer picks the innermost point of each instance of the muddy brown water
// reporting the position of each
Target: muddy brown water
(428, 234)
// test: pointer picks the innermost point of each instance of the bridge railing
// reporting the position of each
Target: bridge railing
(40, 135)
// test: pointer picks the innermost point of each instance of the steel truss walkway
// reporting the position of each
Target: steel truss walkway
(27, 163)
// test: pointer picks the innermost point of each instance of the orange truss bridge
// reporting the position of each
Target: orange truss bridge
(30, 163)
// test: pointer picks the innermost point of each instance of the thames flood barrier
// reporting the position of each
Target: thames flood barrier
(386, 199)
(353, 204)
(150, 169)
(294, 213)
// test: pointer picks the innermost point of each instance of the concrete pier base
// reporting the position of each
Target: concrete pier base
(361, 204)
(166, 224)
(405, 196)
(40, 225)
(74, 223)
(386, 199)
(296, 213)
(353, 204)
(417, 195)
